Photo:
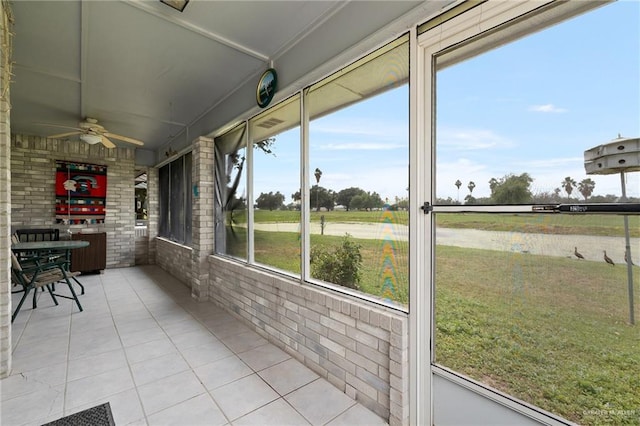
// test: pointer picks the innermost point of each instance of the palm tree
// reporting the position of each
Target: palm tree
(471, 186)
(586, 187)
(318, 175)
(568, 184)
(458, 185)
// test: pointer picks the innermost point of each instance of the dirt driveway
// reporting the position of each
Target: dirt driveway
(590, 247)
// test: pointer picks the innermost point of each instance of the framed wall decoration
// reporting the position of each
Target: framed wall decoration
(81, 193)
(267, 86)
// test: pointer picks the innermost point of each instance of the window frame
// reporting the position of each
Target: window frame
(252, 123)
(473, 31)
(305, 180)
(169, 206)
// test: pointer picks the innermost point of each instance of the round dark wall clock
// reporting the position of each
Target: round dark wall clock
(267, 86)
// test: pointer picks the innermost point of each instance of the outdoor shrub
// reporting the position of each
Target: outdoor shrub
(339, 265)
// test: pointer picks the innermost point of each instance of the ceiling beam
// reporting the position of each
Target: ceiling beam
(310, 28)
(149, 8)
(45, 72)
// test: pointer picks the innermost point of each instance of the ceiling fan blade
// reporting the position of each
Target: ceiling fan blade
(106, 142)
(58, 126)
(124, 138)
(64, 135)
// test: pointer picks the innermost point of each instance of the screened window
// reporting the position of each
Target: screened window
(359, 175)
(351, 210)
(275, 137)
(230, 193)
(175, 200)
(164, 186)
(525, 302)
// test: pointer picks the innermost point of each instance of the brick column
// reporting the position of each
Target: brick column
(399, 372)
(202, 219)
(153, 211)
(5, 194)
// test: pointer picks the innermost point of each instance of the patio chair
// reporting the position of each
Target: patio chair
(38, 234)
(26, 256)
(35, 273)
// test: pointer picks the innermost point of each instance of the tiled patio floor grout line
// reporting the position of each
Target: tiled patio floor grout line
(237, 355)
(115, 325)
(193, 314)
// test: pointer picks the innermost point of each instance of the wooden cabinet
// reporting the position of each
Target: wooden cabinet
(92, 258)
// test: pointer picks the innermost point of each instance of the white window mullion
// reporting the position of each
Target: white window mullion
(305, 213)
(249, 186)
(419, 192)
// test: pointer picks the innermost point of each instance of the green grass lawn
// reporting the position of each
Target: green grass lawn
(282, 250)
(551, 331)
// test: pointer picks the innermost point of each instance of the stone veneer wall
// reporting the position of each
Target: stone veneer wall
(360, 347)
(33, 190)
(5, 192)
(175, 259)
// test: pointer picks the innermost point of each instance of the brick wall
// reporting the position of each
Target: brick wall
(175, 259)
(5, 196)
(153, 197)
(33, 185)
(359, 347)
(202, 216)
(188, 264)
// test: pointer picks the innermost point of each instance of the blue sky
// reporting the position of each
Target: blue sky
(534, 106)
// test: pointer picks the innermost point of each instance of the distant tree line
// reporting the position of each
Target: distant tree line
(352, 198)
(516, 189)
(509, 189)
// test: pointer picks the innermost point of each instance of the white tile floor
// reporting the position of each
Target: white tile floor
(158, 358)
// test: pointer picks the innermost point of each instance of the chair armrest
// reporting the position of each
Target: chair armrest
(42, 265)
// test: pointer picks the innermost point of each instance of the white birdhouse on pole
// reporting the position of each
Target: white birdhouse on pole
(621, 155)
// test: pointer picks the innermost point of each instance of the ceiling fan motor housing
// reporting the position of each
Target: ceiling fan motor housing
(91, 125)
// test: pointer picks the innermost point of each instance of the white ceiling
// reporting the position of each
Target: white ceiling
(147, 71)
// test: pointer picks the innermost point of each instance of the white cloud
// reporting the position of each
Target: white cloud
(388, 181)
(547, 108)
(465, 170)
(360, 146)
(552, 163)
(547, 175)
(386, 129)
(358, 135)
(471, 139)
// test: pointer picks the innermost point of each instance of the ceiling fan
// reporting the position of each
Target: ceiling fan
(92, 133)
